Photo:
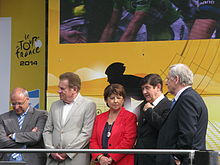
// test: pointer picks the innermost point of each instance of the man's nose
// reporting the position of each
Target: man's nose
(16, 106)
(144, 91)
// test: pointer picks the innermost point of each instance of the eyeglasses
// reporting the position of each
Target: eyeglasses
(18, 103)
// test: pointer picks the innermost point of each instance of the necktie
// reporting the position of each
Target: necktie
(21, 120)
(17, 156)
(173, 103)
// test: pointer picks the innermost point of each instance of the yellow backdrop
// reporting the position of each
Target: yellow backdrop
(140, 58)
(27, 46)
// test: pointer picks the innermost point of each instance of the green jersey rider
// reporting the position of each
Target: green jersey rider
(162, 20)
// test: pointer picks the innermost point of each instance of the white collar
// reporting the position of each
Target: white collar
(75, 100)
(180, 92)
(158, 99)
(77, 97)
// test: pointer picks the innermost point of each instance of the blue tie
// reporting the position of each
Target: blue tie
(17, 156)
(21, 120)
(173, 103)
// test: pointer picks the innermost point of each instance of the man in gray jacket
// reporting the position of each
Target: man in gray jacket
(70, 123)
(22, 127)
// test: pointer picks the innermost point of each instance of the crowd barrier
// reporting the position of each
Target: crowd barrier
(196, 157)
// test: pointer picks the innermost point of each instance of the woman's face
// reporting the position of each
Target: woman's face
(115, 102)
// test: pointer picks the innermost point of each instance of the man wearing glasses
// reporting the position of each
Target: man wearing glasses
(22, 128)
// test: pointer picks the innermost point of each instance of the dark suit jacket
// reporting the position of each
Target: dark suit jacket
(9, 125)
(185, 127)
(148, 127)
(123, 136)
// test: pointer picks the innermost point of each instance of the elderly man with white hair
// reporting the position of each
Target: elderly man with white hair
(186, 124)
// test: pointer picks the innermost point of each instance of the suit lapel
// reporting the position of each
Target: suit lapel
(103, 121)
(190, 88)
(14, 123)
(171, 109)
(59, 112)
(160, 104)
(118, 121)
(140, 121)
(74, 109)
(186, 90)
(27, 119)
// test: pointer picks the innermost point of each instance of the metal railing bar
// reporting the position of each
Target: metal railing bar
(126, 151)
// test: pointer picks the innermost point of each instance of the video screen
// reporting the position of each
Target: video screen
(93, 21)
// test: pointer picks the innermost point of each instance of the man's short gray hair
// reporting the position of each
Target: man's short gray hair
(183, 72)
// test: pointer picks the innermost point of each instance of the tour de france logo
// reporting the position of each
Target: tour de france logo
(27, 47)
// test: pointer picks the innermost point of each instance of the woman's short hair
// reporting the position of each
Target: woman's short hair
(117, 89)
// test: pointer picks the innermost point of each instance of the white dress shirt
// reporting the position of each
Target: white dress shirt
(67, 108)
(158, 100)
(180, 92)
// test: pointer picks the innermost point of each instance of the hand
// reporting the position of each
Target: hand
(56, 156)
(105, 160)
(63, 155)
(110, 160)
(177, 162)
(35, 129)
(147, 106)
(72, 36)
(10, 136)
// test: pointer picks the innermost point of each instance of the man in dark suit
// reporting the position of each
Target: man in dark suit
(22, 127)
(186, 124)
(152, 114)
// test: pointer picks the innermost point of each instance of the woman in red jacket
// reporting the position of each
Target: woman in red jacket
(114, 129)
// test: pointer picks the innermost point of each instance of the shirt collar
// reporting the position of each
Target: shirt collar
(25, 112)
(158, 99)
(77, 97)
(75, 100)
(180, 92)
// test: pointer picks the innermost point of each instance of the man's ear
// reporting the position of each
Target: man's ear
(75, 89)
(177, 79)
(159, 87)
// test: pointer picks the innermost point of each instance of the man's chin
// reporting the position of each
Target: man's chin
(169, 91)
(148, 99)
(18, 112)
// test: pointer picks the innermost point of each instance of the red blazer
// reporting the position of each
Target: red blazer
(123, 136)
